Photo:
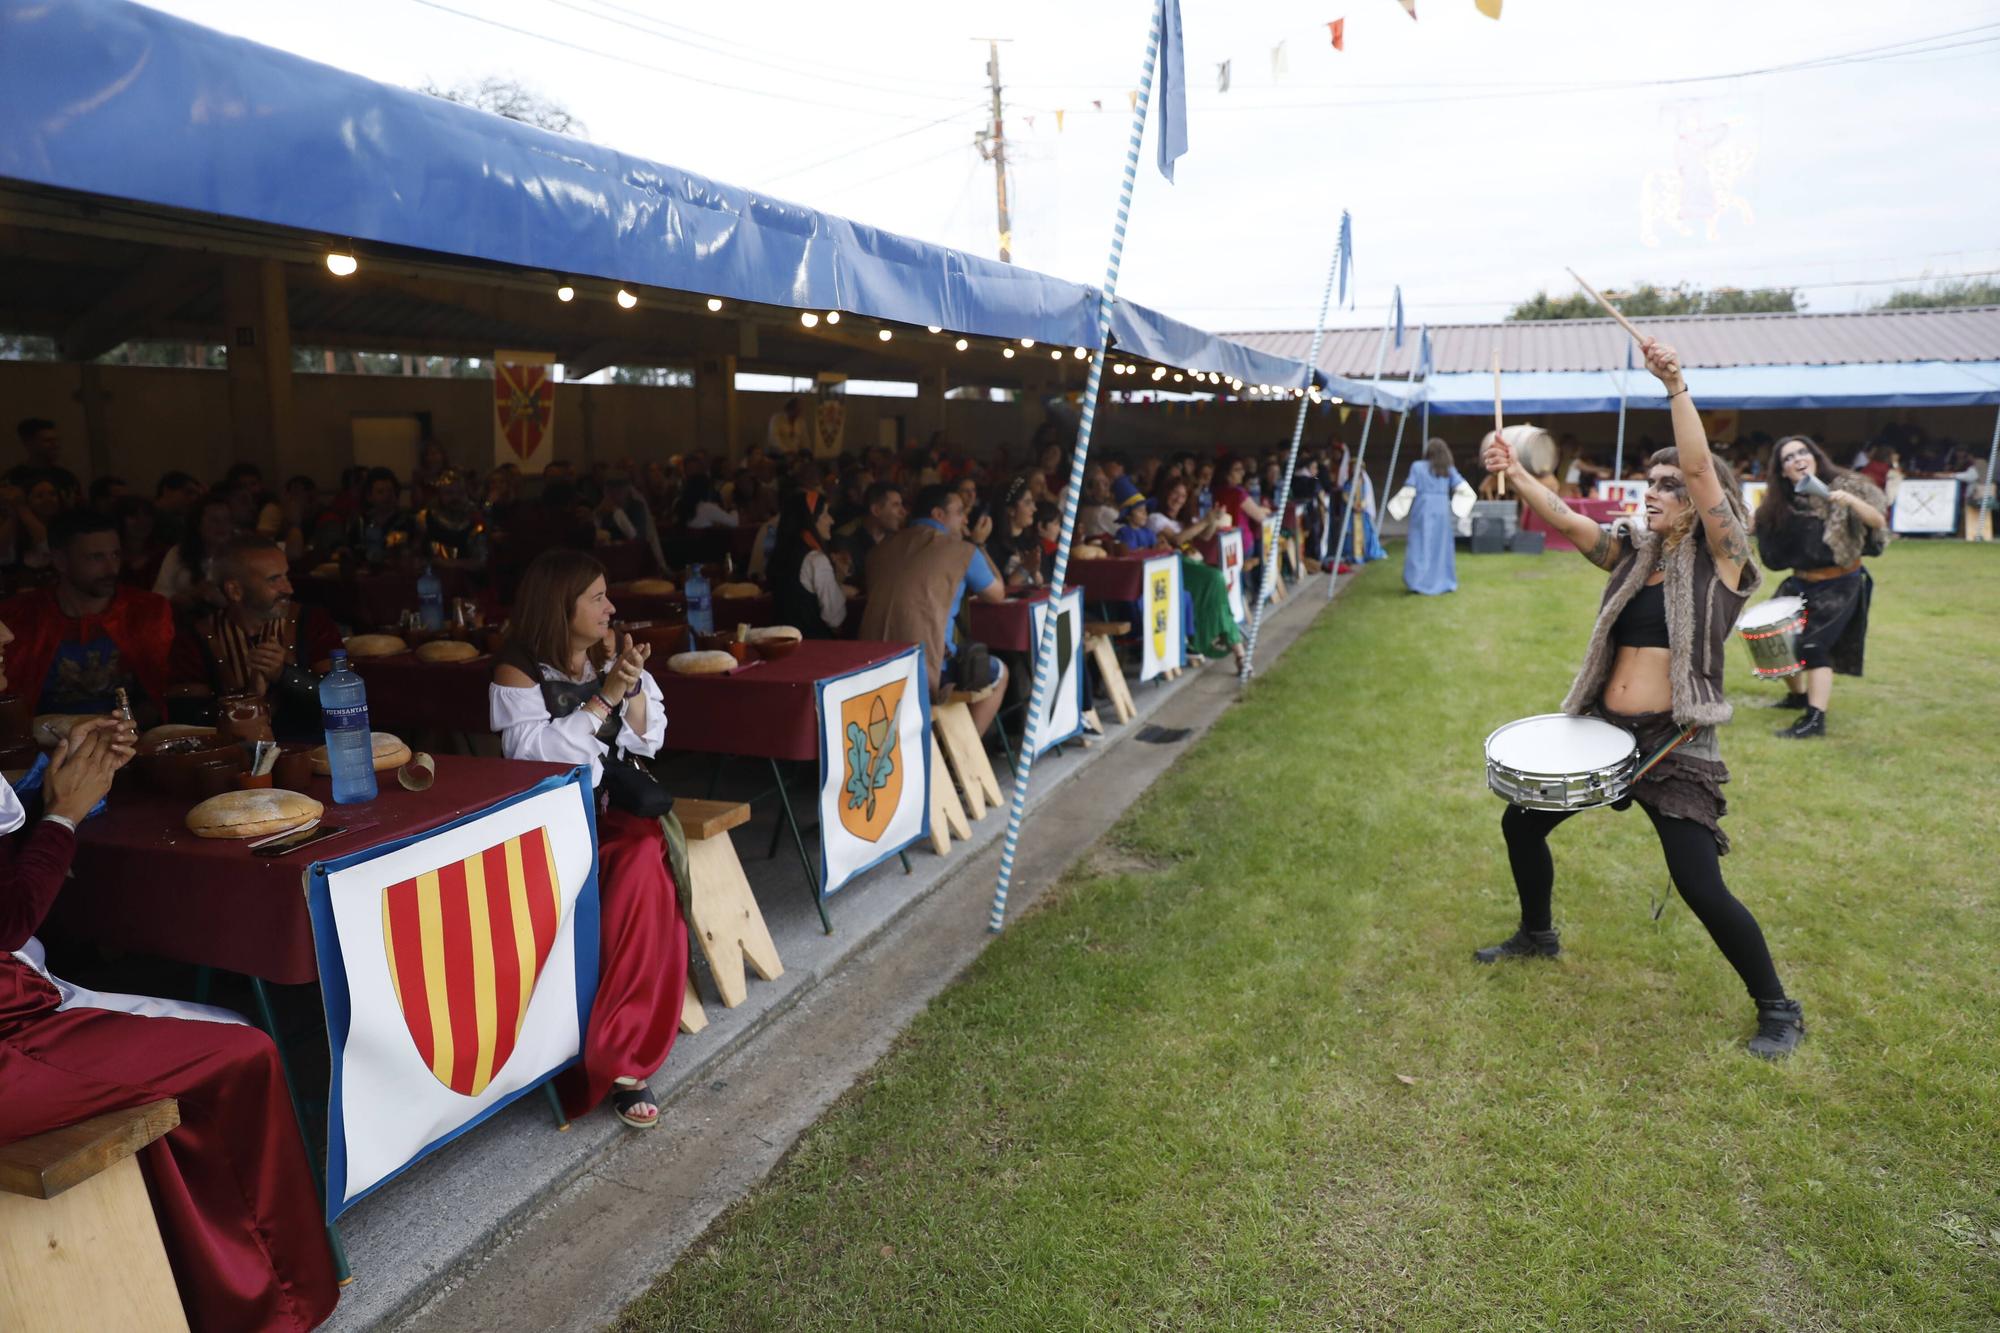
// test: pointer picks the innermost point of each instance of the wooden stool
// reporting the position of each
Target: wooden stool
(78, 1239)
(951, 726)
(1097, 636)
(947, 814)
(725, 917)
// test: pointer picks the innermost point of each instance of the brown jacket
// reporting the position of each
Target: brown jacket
(912, 575)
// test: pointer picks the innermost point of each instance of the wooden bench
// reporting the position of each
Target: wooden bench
(79, 1244)
(947, 813)
(723, 914)
(1097, 637)
(965, 752)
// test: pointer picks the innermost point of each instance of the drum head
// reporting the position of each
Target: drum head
(1776, 611)
(1554, 743)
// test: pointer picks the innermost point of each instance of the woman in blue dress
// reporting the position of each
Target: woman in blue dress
(1430, 564)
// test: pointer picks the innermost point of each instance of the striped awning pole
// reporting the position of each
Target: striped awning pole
(1298, 434)
(1356, 478)
(1045, 645)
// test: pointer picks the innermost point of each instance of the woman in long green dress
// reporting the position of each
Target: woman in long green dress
(1215, 632)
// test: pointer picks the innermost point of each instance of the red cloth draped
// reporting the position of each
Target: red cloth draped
(642, 962)
(140, 623)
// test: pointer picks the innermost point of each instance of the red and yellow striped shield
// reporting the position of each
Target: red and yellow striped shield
(466, 943)
(524, 399)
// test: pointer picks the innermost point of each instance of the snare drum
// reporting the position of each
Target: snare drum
(1557, 762)
(1772, 630)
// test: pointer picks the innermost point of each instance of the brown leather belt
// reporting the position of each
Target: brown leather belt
(1830, 572)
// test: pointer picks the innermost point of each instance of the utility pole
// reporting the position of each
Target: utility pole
(993, 147)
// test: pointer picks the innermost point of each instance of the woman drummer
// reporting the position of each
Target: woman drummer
(1654, 667)
(1820, 532)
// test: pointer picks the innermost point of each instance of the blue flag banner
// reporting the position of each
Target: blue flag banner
(1173, 88)
(1346, 255)
(1399, 315)
(1424, 353)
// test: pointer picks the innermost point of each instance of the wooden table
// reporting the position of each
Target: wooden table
(1008, 626)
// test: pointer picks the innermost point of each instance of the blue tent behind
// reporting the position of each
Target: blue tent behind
(1889, 384)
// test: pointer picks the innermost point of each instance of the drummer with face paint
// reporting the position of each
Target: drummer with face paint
(1818, 520)
(1654, 667)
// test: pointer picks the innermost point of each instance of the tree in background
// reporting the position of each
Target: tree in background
(510, 98)
(1946, 292)
(1652, 301)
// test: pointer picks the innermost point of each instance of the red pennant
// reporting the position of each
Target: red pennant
(1338, 29)
(1410, 8)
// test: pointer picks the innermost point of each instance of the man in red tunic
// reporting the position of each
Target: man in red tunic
(80, 641)
(230, 1186)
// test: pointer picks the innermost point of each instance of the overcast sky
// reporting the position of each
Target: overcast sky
(1478, 157)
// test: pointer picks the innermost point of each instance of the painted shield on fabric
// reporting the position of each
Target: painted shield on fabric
(524, 398)
(1065, 644)
(872, 761)
(466, 944)
(1159, 593)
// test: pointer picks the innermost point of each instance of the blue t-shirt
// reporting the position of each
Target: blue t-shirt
(1136, 539)
(84, 677)
(978, 577)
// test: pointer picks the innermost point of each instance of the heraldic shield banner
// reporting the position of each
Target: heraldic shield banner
(458, 969)
(874, 766)
(1065, 697)
(1162, 638)
(524, 409)
(1229, 549)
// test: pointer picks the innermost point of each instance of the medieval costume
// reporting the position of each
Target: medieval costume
(63, 663)
(449, 535)
(1822, 542)
(213, 651)
(230, 1185)
(643, 947)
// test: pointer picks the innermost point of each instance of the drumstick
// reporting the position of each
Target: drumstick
(1497, 427)
(1609, 308)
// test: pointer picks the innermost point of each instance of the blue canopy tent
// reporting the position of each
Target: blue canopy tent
(113, 99)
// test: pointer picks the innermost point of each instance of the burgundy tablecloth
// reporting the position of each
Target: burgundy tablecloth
(1118, 579)
(407, 695)
(1007, 626)
(1598, 511)
(143, 883)
(369, 601)
(729, 611)
(767, 711)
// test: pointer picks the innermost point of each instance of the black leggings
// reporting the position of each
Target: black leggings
(1691, 860)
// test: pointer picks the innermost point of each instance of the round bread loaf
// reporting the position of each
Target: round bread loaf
(251, 814)
(168, 731)
(774, 634)
(375, 645)
(739, 590)
(650, 587)
(327, 569)
(50, 728)
(700, 664)
(446, 650)
(389, 753)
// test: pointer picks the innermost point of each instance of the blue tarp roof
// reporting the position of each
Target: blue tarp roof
(111, 98)
(1553, 392)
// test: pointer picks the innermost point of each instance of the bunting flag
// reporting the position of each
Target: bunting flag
(1172, 88)
(1338, 30)
(1279, 65)
(1096, 105)
(1399, 315)
(1132, 99)
(1490, 8)
(1060, 113)
(1030, 120)
(1222, 77)
(1410, 8)
(1346, 254)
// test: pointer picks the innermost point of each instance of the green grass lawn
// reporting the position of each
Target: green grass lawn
(1239, 1070)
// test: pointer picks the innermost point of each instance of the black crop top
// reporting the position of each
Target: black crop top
(1643, 622)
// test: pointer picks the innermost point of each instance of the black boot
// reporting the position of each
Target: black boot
(1521, 944)
(1811, 724)
(1791, 700)
(1781, 1026)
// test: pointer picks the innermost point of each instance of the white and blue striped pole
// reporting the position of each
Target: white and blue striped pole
(1298, 434)
(1395, 452)
(1045, 645)
(1358, 479)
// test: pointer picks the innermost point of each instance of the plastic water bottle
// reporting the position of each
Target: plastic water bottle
(430, 600)
(701, 609)
(350, 750)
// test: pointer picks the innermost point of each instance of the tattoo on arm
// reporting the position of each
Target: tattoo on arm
(1601, 554)
(1730, 542)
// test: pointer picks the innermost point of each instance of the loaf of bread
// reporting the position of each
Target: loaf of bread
(700, 664)
(389, 753)
(376, 645)
(738, 590)
(251, 814)
(446, 650)
(774, 634)
(1085, 551)
(650, 587)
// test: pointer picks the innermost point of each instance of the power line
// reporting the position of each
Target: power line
(791, 172)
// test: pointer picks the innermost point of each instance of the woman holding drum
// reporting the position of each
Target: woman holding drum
(1818, 520)
(1654, 668)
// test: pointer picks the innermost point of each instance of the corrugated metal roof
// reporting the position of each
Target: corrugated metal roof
(1869, 337)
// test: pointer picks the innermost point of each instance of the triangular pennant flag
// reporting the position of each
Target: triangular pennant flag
(1222, 77)
(1338, 30)
(1410, 8)
(1279, 65)
(1059, 117)
(1132, 99)
(1096, 105)
(1490, 8)
(1030, 120)
(1172, 88)
(1346, 253)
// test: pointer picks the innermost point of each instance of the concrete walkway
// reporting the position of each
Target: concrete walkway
(518, 1226)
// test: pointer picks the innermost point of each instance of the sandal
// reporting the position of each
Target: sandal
(625, 1103)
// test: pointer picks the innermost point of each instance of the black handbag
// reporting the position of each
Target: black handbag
(626, 783)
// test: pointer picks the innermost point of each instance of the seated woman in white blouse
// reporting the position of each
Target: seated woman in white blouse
(561, 693)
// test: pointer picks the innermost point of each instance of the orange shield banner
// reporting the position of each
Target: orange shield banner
(466, 943)
(872, 772)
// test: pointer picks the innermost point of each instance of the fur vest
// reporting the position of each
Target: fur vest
(1846, 536)
(1701, 611)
